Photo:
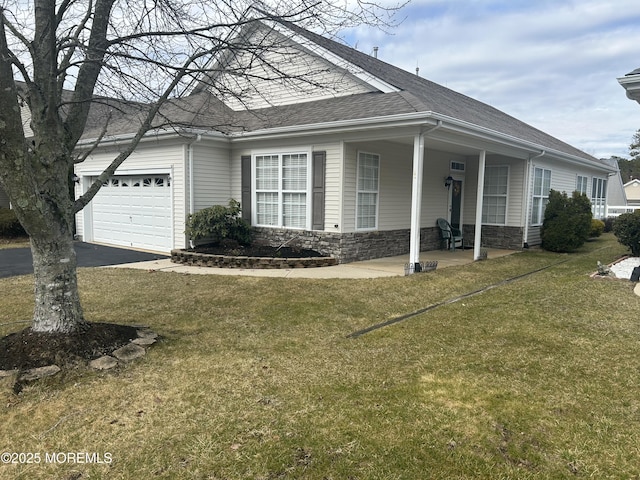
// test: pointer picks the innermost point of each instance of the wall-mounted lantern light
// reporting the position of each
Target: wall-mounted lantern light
(448, 181)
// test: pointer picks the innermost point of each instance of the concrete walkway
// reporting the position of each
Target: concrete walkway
(380, 267)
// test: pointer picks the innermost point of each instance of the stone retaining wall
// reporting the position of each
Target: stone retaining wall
(225, 261)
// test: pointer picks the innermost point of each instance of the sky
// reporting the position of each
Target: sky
(553, 64)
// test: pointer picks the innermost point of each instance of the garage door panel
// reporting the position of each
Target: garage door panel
(135, 212)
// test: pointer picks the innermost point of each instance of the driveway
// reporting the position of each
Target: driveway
(18, 261)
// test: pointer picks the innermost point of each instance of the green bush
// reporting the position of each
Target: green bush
(597, 227)
(9, 225)
(627, 229)
(218, 223)
(567, 222)
(608, 224)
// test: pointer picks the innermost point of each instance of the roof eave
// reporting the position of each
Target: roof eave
(631, 83)
(417, 119)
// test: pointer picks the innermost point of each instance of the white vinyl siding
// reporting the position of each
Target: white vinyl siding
(211, 175)
(367, 191)
(281, 190)
(541, 188)
(496, 187)
(282, 73)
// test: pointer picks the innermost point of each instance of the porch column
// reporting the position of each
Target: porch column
(416, 201)
(480, 195)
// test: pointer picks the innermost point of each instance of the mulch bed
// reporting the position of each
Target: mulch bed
(26, 349)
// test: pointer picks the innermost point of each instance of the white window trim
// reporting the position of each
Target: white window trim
(506, 195)
(599, 204)
(542, 196)
(586, 179)
(254, 197)
(377, 192)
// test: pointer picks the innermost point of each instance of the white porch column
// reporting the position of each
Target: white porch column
(416, 199)
(480, 195)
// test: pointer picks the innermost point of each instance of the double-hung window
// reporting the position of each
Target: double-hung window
(281, 185)
(494, 201)
(582, 184)
(541, 188)
(367, 191)
(599, 197)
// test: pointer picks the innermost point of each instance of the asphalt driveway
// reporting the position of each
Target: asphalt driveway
(18, 261)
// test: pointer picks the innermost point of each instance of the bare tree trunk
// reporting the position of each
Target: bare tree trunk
(57, 303)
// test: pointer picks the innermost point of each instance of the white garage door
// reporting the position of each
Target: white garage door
(134, 211)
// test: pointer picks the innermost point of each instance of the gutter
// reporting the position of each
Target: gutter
(419, 119)
(412, 119)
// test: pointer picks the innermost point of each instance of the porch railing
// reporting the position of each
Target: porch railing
(615, 210)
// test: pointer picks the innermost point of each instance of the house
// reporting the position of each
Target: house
(350, 156)
(632, 191)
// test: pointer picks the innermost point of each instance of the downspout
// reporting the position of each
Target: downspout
(527, 217)
(416, 197)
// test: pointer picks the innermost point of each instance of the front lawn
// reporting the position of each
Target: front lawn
(255, 378)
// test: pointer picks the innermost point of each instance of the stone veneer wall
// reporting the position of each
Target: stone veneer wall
(350, 247)
(496, 236)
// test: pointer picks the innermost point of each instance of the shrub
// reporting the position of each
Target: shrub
(597, 227)
(9, 224)
(627, 229)
(218, 223)
(567, 222)
(608, 224)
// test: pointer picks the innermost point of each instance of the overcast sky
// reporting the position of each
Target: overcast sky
(551, 63)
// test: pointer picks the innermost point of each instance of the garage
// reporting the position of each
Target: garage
(134, 211)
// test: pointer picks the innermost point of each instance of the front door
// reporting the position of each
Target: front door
(456, 204)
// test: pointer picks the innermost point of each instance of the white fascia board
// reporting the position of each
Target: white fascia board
(153, 135)
(340, 62)
(419, 119)
(631, 83)
(493, 136)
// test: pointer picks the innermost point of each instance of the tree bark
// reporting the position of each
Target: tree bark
(57, 303)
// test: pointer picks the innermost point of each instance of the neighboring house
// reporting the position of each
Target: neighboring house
(352, 161)
(632, 191)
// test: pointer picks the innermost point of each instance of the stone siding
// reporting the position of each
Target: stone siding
(224, 261)
(496, 236)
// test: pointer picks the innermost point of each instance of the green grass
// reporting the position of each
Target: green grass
(255, 378)
(14, 243)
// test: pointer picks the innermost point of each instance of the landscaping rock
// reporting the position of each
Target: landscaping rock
(129, 352)
(105, 362)
(38, 373)
(144, 341)
(146, 333)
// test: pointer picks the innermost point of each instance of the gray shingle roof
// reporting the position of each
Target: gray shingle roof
(416, 94)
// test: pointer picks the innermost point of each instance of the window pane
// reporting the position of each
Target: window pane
(367, 205)
(546, 186)
(267, 172)
(294, 172)
(537, 182)
(294, 210)
(267, 208)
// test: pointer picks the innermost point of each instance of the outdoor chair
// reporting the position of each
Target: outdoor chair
(448, 235)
